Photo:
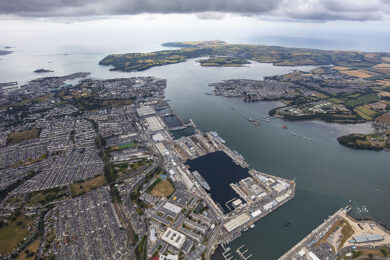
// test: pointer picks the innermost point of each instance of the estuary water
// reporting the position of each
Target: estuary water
(327, 174)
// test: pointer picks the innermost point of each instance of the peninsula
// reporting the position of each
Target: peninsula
(4, 52)
(42, 71)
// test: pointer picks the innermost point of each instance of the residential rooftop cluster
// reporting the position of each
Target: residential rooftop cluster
(97, 161)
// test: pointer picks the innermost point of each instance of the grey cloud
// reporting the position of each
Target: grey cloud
(205, 9)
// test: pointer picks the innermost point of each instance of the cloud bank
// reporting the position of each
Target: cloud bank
(321, 10)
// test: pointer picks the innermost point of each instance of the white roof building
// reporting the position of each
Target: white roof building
(236, 222)
(172, 207)
(174, 238)
(145, 110)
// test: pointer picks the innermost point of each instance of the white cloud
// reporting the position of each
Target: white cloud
(205, 9)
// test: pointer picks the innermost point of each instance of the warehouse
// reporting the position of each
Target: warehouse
(146, 110)
(281, 186)
(366, 238)
(154, 123)
(158, 137)
(162, 149)
(235, 223)
(256, 213)
(270, 205)
(282, 197)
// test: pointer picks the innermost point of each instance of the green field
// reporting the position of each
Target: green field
(365, 112)
(87, 185)
(24, 135)
(223, 62)
(336, 100)
(361, 100)
(122, 146)
(13, 233)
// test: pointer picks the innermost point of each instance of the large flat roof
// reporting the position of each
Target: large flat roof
(172, 207)
(236, 222)
(366, 238)
(145, 110)
(155, 123)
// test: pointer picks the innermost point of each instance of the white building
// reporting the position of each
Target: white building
(174, 238)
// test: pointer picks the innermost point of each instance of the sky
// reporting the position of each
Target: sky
(326, 24)
(355, 10)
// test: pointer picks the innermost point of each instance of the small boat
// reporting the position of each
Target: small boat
(252, 226)
(288, 223)
(256, 123)
(284, 127)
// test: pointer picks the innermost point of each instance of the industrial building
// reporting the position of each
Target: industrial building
(366, 238)
(256, 213)
(154, 123)
(237, 203)
(270, 205)
(162, 149)
(250, 187)
(282, 197)
(158, 137)
(236, 222)
(174, 238)
(145, 110)
(186, 180)
(281, 186)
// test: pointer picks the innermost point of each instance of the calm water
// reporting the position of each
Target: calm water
(219, 171)
(327, 175)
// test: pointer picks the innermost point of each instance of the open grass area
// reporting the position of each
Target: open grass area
(163, 189)
(359, 73)
(88, 185)
(223, 62)
(14, 232)
(367, 254)
(125, 168)
(30, 251)
(320, 95)
(122, 146)
(45, 196)
(24, 135)
(365, 112)
(336, 100)
(361, 100)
